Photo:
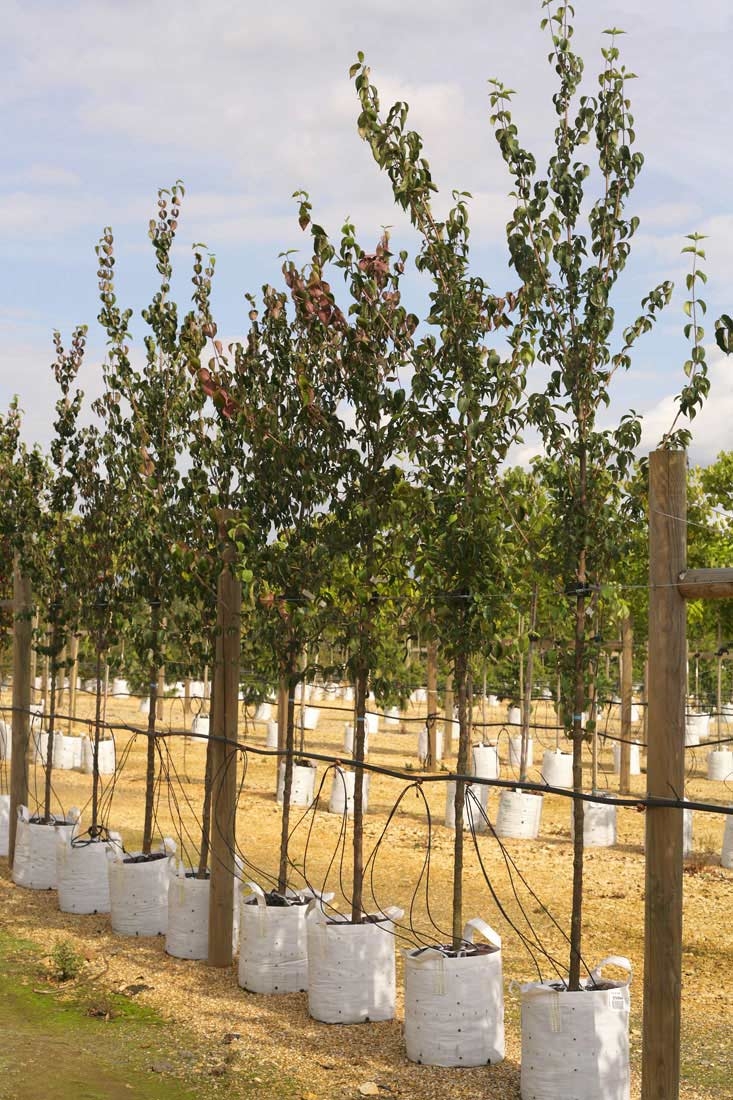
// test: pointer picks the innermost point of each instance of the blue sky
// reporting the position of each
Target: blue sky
(104, 102)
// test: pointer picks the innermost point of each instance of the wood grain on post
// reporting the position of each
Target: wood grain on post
(432, 722)
(22, 645)
(665, 777)
(705, 584)
(627, 669)
(224, 766)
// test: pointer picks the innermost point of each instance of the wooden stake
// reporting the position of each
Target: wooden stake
(22, 647)
(73, 672)
(665, 777)
(627, 658)
(224, 765)
(432, 722)
(448, 723)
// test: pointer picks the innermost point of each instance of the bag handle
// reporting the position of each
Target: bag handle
(477, 924)
(258, 892)
(612, 960)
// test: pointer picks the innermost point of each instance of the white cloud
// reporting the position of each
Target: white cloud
(711, 427)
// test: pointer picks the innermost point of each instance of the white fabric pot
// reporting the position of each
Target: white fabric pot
(599, 824)
(138, 894)
(310, 717)
(106, 756)
(473, 818)
(303, 784)
(34, 865)
(263, 712)
(271, 736)
(454, 1006)
(515, 751)
(273, 947)
(726, 854)
(302, 691)
(419, 695)
(392, 718)
(557, 768)
(343, 785)
(83, 878)
(514, 716)
(720, 764)
(422, 744)
(348, 695)
(696, 728)
(4, 823)
(576, 1044)
(201, 725)
(486, 761)
(144, 707)
(519, 815)
(351, 968)
(120, 687)
(40, 748)
(493, 700)
(349, 739)
(6, 740)
(634, 758)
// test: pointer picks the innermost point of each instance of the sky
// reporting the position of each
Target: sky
(104, 102)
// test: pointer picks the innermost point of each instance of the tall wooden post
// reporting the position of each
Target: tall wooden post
(224, 765)
(627, 676)
(665, 777)
(22, 646)
(432, 722)
(448, 724)
(73, 672)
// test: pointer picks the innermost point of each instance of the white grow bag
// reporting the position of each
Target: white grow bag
(720, 764)
(34, 865)
(515, 751)
(302, 787)
(271, 735)
(599, 824)
(696, 728)
(726, 854)
(200, 725)
(519, 815)
(514, 716)
(273, 942)
(83, 878)
(473, 818)
(310, 717)
(392, 718)
(6, 740)
(4, 823)
(486, 761)
(120, 687)
(422, 744)
(634, 758)
(576, 1044)
(349, 738)
(138, 894)
(343, 785)
(557, 768)
(187, 934)
(351, 968)
(454, 1006)
(263, 712)
(106, 756)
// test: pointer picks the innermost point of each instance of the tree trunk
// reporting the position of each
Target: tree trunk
(432, 721)
(361, 682)
(528, 685)
(22, 668)
(292, 676)
(214, 723)
(150, 767)
(55, 649)
(95, 744)
(464, 744)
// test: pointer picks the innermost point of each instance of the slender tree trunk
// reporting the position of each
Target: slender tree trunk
(579, 700)
(361, 682)
(464, 745)
(73, 672)
(528, 685)
(432, 722)
(51, 720)
(292, 674)
(150, 767)
(214, 723)
(95, 743)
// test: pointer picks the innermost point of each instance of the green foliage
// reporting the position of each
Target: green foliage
(66, 962)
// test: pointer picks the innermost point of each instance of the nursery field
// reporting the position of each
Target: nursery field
(268, 1045)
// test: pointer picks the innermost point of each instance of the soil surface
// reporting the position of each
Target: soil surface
(521, 888)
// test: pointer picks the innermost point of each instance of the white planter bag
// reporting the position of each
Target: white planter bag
(720, 764)
(351, 968)
(514, 716)
(263, 712)
(271, 736)
(200, 725)
(303, 784)
(40, 748)
(576, 1044)
(599, 824)
(696, 728)
(187, 934)
(6, 740)
(515, 751)
(419, 695)
(726, 854)
(634, 758)
(392, 718)
(311, 716)
(273, 943)
(138, 894)
(557, 768)
(486, 761)
(473, 818)
(120, 687)
(106, 760)
(519, 815)
(34, 865)
(422, 744)
(83, 878)
(343, 785)
(4, 823)
(349, 739)
(454, 1006)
